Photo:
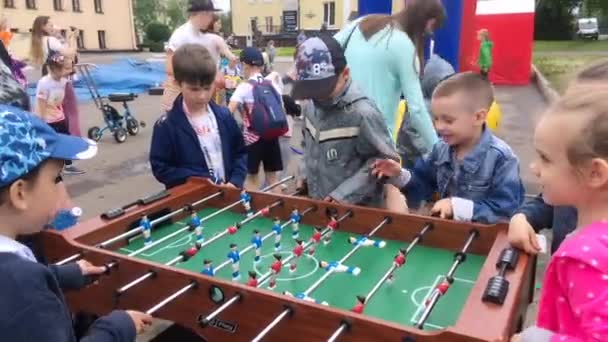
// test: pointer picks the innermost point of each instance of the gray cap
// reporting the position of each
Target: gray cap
(319, 61)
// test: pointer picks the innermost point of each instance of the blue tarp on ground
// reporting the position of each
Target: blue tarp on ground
(122, 76)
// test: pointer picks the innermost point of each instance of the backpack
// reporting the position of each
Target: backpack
(267, 117)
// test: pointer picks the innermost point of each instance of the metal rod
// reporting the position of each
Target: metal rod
(418, 237)
(138, 229)
(272, 325)
(219, 310)
(437, 294)
(380, 283)
(69, 259)
(134, 283)
(172, 297)
(427, 311)
(341, 329)
(163, 218)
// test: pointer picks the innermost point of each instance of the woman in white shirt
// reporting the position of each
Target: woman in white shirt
(193, 32)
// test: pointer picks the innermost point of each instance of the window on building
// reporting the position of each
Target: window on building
(80, 40)
(30, 4)
(76, 6)
(98, 6)
(101, 36)
(254, 24)
(269, 27)
(9, 4)
(58, 5)
(329, 13)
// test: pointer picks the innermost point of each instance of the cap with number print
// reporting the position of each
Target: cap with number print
(319, 62)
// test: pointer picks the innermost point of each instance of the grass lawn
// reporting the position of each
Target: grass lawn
(560, 68)
(570, 45)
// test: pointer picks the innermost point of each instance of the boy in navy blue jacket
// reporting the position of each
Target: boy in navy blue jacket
(197, 138)
(32, 155)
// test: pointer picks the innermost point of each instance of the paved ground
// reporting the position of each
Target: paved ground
(121, 172)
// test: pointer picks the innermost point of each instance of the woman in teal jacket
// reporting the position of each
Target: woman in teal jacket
(384, 53)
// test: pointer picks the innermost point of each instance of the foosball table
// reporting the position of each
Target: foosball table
(258, 266)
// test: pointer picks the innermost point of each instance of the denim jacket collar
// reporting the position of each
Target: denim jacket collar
(473, 159)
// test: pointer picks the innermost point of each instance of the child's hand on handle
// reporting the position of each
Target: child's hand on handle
(140, 320)
(522, 235)
(89, 269)
(386, 168)
(443, 209)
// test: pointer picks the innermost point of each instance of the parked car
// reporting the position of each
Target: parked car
(588, 28)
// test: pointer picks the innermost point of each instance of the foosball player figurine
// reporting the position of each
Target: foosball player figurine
(442, 288)
(253, 279)
(398, 262)
(365, 242)
(275, 269)
(246, 198)
(196, 226)
(256, 241)
(332, 225)
(297, 252)
(360, 306)
(278, 231)
(295, 223)
(304, 297)
(337, 267)
(146, 229)
(315, 239)
(235, 258)
(189, 253)
(208, 268)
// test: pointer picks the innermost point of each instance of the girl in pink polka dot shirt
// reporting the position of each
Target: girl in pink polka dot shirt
(572, 166)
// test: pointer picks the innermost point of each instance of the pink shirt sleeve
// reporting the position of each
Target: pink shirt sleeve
(586, 289)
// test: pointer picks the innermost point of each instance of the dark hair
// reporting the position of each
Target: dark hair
(478, 89)
(31, 176)
(412, 19)
(193, 64)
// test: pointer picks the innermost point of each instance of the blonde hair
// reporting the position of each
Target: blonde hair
(36, 48)
(484, 33)
(588, 100)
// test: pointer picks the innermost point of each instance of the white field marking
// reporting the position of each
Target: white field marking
(255, 267)
(421, 307)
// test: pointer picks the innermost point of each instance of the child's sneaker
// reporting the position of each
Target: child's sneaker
(72, 170)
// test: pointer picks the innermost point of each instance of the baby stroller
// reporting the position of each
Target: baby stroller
(120, 125)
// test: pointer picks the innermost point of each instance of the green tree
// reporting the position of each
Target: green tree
(554, 19)
(176, 13)
(147, 11)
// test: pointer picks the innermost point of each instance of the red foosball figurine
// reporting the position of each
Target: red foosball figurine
(275, 268)
(399, 261)
(315, 239)
(232, 230)
(360, 306)
(253, 279)
(332, 225)
(442, 288)
(265, 211)
(297, 252)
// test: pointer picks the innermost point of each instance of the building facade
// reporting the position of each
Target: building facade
(309, 15)
(104, 25)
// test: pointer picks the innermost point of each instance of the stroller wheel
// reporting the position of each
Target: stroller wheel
(132, 126)
(120, 135)
(94, 133)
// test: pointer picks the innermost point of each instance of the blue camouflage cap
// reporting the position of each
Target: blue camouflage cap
(319, 61)
(26, 141)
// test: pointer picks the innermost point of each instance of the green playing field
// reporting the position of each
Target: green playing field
(400, 301)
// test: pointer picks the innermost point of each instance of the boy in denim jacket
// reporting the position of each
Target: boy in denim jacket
(475, 173)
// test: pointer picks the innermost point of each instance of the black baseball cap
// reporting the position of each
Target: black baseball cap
(319, 62)
(202, 6)
(252, 56)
